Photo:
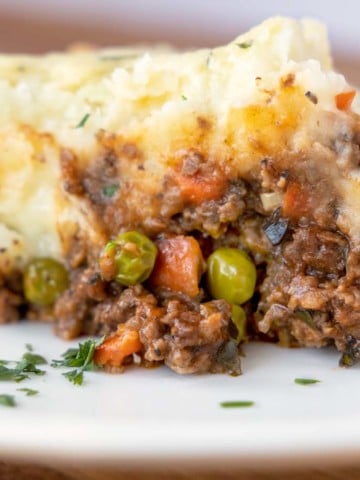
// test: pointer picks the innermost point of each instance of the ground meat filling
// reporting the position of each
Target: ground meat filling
(310, 294)
(284, 215)
(187, 336)
(74, 307)
(9, 306)
(308, 274)
(317, 253)
(213, 216)
(187, 340)
(11, 299)
(302, 299)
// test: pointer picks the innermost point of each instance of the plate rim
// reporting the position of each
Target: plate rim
(325, 442)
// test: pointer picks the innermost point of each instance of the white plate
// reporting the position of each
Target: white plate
(156, 416)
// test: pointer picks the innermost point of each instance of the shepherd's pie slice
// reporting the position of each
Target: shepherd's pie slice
(183, 202)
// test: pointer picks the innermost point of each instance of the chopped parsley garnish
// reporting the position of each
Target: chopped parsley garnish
(11, 374)
(24, 366)
(21, 369)
(75, 376)
(34, 358)
(208, 58)
(81, 359)
(83, 121)
(245, 45)
(16, 371)
(183, 97)
(306, 381)
(7, 400)
(237, 404)
(29, 392)
(110, 190)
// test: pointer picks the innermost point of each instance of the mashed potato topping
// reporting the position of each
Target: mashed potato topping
(151, 98)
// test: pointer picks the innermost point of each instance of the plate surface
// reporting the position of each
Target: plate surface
(155, 416)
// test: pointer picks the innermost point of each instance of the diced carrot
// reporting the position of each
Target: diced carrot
(211, 326)
(200, 187)
(116, 347)
(344, 100)
(179, 265)
(296, 202)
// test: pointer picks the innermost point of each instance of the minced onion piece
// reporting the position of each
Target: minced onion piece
(271, 200)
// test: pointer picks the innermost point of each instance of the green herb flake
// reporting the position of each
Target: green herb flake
(237, 404)
(29, 392)
(11, 374)
(21, 369)
(34, 358)
(306, 381)
(75, 376)
(83, 121)
(208, 58)
(183, 97)
(245, 45)
(29, 347)
(19, 378)
(25, 366)
(78, 357)
(81, 359)
(110, 190)
(7, 400)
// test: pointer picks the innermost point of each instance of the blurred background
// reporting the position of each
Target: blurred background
(42, 25)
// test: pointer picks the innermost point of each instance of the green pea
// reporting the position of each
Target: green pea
(129, 259)
(231, 275)
(44, 280)
(238, 317)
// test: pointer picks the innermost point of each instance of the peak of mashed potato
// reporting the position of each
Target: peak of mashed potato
(280, 40)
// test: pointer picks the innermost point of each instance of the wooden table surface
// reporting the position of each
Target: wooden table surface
(10, 471)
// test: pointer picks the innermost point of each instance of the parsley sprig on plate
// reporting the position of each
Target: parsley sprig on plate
(306, 381)
(80, 359)
(19, 370)
(237, 404)
(29, 392)
(22, 369)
